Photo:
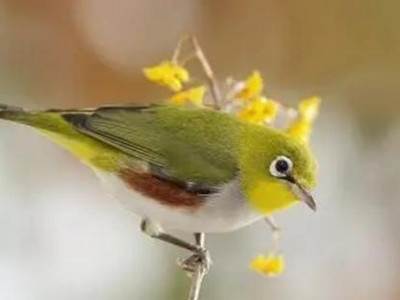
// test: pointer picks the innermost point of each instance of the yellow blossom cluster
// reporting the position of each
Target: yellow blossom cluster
(253, 87)
(174, 76)
(300, 128)
(168, 74)
(259, 111)
(193, 96)
(255, 108)
(271, 264)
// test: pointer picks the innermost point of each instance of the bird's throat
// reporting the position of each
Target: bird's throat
(268, 198)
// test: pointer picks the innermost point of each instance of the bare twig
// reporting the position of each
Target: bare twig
(212, 81)
(199, 274)
(176, 56)
(197, 280)
(201, 58)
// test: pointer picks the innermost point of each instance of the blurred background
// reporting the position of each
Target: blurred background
(62, 238)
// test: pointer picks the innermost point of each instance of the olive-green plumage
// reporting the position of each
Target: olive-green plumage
(192, 145)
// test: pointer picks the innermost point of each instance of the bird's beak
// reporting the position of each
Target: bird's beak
(303, 194)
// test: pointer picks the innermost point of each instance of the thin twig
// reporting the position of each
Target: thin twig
(212, 81)
(197, 280)
(178, 49)
(202, 59)
(199, 274)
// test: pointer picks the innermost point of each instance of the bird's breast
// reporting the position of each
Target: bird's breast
(175, 208)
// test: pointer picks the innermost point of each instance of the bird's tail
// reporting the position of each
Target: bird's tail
(53, 125)
(17, 115)
(7, 111)
(51, 121)
(8, 107)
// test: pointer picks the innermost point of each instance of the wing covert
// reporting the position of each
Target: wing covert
(163, 136)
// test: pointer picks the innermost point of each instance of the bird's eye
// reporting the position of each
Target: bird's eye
(281, 166)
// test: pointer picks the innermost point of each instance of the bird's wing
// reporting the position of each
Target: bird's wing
(183, 144)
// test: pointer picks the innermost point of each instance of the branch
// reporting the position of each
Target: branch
(197, 280)
(200, 272)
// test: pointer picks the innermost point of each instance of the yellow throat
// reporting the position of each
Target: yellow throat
(268, 197)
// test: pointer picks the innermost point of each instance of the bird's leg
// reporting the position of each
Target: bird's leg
(200, 254)
(276, 234)
(197, 260)
(152, 230)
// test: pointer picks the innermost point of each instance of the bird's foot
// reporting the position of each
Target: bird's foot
(198, 260)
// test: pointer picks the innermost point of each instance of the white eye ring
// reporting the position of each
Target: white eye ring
(281, 166)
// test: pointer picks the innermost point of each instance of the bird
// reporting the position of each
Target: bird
(195, 170)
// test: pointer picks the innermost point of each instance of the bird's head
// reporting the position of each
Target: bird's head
(276, 171)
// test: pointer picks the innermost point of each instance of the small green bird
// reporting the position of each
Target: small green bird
(196, 170)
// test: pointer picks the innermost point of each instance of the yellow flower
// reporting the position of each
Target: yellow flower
(168, 74)
(253, 87)
(194, 96)
(259, 111)
(270, 111)
(300, 128)
(308, 108)
(271, 265)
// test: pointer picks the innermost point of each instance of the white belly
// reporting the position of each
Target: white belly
(225, 211)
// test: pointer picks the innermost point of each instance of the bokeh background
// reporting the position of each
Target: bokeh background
(62, 238)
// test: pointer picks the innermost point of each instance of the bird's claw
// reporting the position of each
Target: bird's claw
(191, 264)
